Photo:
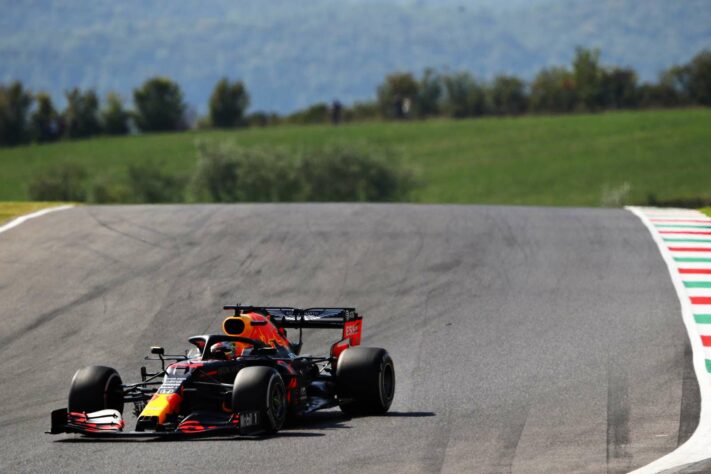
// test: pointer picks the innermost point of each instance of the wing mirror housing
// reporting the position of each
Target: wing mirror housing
(159, 351)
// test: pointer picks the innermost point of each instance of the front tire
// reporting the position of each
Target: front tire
(96, 388)
(366, 381)
(261, 389)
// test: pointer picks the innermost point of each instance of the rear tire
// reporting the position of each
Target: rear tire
(96, 388)
(261, 389)
(366, 381)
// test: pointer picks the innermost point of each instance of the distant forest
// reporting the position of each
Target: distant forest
(587, 85)
(294, 53)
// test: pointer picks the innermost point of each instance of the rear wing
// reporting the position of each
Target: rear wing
(346, 319)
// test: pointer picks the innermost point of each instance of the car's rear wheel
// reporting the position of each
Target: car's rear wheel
(261, 389)
(365, 379)
(96, 388)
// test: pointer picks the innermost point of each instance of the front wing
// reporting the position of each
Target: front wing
(110, 424)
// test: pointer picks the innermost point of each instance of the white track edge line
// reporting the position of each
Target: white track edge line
(697, 447)
(19, 220)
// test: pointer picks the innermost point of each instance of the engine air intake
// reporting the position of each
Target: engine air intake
(235, 326)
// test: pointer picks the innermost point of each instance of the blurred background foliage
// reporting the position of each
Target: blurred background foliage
(227, 172)
(70, 72)
(294, 53)
(587, 85)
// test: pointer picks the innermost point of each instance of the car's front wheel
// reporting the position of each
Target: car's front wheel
(261, 389)
(96, 388)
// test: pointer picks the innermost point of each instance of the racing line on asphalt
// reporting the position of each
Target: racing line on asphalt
(684, 240)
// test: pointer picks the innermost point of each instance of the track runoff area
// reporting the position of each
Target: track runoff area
(684, 240)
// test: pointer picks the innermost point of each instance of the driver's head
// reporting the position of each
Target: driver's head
(225, 350)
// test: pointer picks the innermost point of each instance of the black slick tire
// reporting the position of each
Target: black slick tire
(96, 388)
(261, 389)
(365, 378)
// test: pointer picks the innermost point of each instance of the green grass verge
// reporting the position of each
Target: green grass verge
(10, 210)
(706, 210)
(554, 160)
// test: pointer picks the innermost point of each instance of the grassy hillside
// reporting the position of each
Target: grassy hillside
(584, 160)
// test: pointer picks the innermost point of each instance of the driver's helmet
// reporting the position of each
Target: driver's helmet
(224, 350)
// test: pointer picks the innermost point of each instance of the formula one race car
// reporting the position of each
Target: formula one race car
(245, 381)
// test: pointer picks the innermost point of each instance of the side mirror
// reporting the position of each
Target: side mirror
(157, 350)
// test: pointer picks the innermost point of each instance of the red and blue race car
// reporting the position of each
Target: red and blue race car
(247, 380)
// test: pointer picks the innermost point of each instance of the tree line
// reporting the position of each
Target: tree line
(586, 85)
(158, 106)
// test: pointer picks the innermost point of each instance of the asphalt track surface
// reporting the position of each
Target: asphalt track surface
(525, 339)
